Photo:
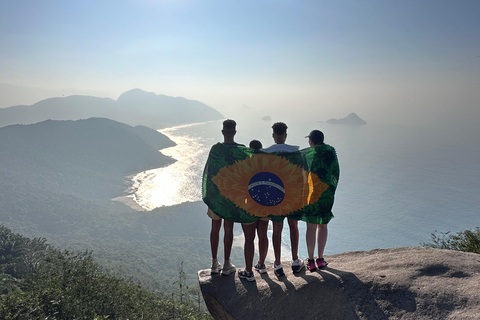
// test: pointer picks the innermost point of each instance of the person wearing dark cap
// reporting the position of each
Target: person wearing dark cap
(315, 138)
(228, 132)
(279, 136)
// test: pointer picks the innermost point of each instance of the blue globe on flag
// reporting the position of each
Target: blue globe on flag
(266, 189)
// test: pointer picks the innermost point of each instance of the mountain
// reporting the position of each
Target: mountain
(87, 158)
(134, 107)
(57, 181)
(14, 95)
(352, 119)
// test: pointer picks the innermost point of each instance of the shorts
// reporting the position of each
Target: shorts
(325, 219)
(281, 218)
(267, 219)
(277, 218)
(212, 215)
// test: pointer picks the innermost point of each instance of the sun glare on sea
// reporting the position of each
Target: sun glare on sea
(177, 183)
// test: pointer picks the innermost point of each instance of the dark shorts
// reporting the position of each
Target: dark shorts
(279, 218)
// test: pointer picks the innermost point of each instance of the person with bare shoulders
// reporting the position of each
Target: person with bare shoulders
(280, 136)
(228, 132)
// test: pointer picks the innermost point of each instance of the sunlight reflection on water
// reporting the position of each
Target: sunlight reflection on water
(179, 182)
(398, 184)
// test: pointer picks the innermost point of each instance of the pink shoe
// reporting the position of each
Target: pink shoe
(321, 263)
(311, 265)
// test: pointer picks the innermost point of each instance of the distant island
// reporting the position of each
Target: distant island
(352, 120)
(267, 118)
(134, 107)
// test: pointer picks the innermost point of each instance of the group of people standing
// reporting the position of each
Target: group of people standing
(316, 231)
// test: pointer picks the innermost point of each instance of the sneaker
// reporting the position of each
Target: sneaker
(311, 265)
(227, 269)
(297, 265)
(321, 263)
(278, 270)
(261, 268)
(216, 267)
(244, 274)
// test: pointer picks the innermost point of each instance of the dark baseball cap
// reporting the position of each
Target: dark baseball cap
(316, 136)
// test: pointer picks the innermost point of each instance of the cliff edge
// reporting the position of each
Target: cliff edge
(398, 283)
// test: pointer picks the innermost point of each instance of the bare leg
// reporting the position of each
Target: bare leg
(249, 246)
(227, 238)
(322, 239)
(277, 241)
(215, 237)
(262, 227)
(293, 224)
(310, 238)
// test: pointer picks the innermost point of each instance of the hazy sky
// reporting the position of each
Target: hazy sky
(389, 61)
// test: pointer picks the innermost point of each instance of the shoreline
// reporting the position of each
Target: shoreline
(139, 186)
(129, 201)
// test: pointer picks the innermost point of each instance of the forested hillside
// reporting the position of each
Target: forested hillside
(57, 180)
(42, 282)
(87, 158)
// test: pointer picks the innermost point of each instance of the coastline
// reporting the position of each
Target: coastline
(132, 184)
(129, 200)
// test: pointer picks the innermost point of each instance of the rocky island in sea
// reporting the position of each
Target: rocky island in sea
(352, 120)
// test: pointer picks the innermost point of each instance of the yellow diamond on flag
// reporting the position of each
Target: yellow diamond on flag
(268, 184)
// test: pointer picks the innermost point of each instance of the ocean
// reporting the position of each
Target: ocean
(398, 184)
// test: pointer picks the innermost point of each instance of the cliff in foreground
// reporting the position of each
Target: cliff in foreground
(399, 283)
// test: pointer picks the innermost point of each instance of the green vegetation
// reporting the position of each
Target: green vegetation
(148, 247)
(56, 183)
(41, 282)
(467, 241)
(145, 246)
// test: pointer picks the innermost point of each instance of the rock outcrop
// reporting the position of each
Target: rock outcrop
(352, 120)
(399, 283)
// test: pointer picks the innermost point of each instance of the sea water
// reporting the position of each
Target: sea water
(398, 184)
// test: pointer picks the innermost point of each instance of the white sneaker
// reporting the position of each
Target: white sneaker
(216, 267)
(228, 268)
(297, 265)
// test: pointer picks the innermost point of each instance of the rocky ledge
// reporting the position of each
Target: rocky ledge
(399, 283)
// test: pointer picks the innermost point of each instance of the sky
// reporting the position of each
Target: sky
(404, 61)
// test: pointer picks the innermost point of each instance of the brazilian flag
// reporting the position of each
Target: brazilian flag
(243, 185)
